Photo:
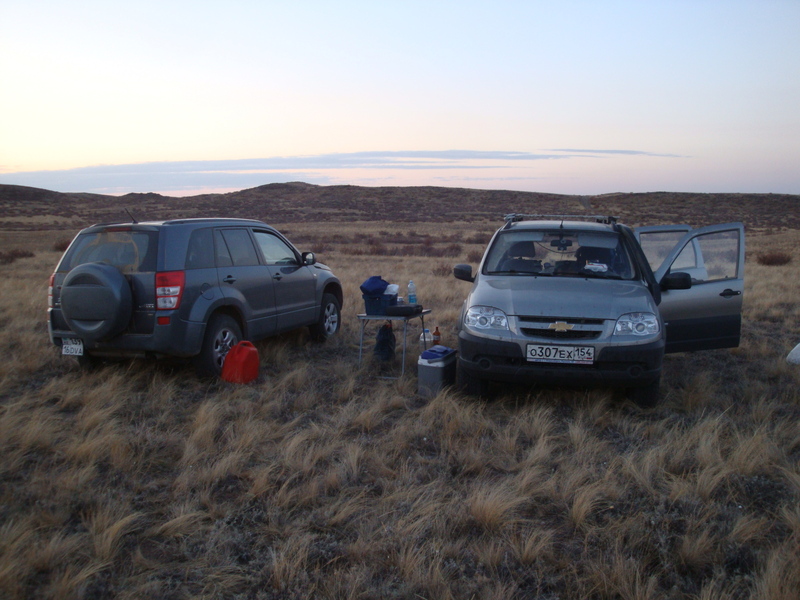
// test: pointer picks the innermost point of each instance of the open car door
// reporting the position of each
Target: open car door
(708, 314)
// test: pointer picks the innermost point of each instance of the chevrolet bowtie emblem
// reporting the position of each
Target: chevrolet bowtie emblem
(561, 326)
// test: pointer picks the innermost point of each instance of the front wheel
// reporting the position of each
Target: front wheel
(222, 334)
(330, 318)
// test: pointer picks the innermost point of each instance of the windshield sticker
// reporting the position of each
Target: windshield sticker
(596, 267)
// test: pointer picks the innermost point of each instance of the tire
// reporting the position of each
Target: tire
(472, 386)
(647, 396)
(96, 301)
(330, 319)
(222, 334)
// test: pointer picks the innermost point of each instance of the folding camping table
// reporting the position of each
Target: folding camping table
(364, 319)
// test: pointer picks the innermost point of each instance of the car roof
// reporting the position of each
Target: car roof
(172, 222)
(553, 224)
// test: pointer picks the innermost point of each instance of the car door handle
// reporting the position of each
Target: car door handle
(277, 276)
(229, 279)
(730, 293)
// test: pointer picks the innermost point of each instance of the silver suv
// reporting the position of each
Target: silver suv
(187, 288)
(586, 300)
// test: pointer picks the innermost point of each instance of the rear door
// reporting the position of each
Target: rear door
(245, 280)
(708, 315)
(131, 249)
(293, 282)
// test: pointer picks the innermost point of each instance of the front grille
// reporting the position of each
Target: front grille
(574, 334)
(570, 320)
(543, 327)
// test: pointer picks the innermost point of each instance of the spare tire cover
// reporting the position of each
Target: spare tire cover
(96, 301)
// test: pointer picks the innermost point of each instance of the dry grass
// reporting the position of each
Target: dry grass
(774, 259)
(321, 480)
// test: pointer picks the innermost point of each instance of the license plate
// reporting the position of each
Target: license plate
(72, 346)
(575, 355)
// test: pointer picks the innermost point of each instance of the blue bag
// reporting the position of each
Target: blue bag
(374, 286)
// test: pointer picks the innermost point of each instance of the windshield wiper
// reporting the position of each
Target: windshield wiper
(595, 275)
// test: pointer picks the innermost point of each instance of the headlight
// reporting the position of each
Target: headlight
(485, 317)
(642, 323)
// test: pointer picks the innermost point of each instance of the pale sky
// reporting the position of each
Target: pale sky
(573, 97)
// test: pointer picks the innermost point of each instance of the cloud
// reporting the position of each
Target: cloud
(321, 169)
(583, 152)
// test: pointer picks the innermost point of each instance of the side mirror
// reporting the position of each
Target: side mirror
(676, 281)
(463, 272)
(309, 258)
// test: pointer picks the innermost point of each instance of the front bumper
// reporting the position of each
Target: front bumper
(616, 365)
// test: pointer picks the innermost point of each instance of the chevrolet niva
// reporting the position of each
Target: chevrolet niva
(562, 300)
(185, 288)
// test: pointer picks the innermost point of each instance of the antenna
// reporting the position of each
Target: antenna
(133, 219)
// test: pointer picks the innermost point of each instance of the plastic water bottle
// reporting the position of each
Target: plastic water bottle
(412, 292)
(425, 340)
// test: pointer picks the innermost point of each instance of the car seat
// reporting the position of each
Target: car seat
(519, 259)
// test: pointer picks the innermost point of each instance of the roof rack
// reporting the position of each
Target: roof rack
(515, 217)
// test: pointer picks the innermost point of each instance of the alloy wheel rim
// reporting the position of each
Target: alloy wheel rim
(331, 319)
(222, 344)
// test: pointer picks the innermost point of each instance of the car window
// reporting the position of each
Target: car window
(657, 245)
(709, 257)
(200, 253)
(274, 249)
(559, 253)
(222, 256)
(240, 247)
(129, 251)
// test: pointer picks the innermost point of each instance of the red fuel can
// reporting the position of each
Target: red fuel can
(241, 363)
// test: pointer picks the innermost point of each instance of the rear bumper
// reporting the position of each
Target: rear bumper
(616, 366)
(179, 338)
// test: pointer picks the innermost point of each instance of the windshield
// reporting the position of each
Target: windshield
(559, 253)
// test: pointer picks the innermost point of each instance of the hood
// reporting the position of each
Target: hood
(573, 297)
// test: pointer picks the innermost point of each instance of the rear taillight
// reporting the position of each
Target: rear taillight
(50, 291)
(169, 289)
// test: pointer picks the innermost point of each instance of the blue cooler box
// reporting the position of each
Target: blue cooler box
(376, 305)
(436, 369)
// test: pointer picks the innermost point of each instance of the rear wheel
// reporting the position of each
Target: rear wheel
(222, 334)
(330, 318)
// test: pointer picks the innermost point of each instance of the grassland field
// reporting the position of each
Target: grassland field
(321, 480)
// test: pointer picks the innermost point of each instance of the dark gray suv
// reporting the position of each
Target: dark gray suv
(185, 288)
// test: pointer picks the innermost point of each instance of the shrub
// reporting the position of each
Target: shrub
(6, 258)
(61, 245)
(479, 238)
(774, 259)
(442, 270)
(475, 256)
(375, 248)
